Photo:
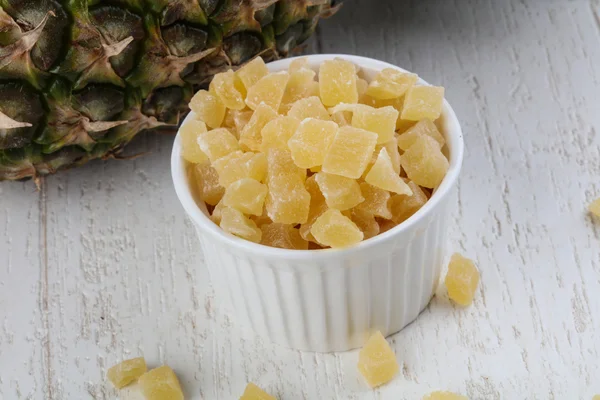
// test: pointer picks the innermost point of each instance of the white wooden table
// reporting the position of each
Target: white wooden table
(102, 264)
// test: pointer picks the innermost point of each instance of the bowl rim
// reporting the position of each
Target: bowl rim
(455, 144)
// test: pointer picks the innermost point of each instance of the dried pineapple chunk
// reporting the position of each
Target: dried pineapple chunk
(223, 85)
(160, 384)
(376, 201)
(208, 185)
(317, 207)
(445, 396)
(382, 121)
(393, 152)
(280, 163)
(252, 72)
(237, 165)
(217, 143)
(236, 223)
(240, 120)
(361, 86)
(340, 192)
(311, 141)
(383, 176)
(423, 127)
(189, 132)
(391, 83)
(126, 372)
(403, 206)
(282, 236)
(288, 201)
(350, 152)
(336, 230)
(595, 207)
(216, 215)
(277, 132)
(246, 195)
(208, 108)
(365, 221)
(269, 90)
(298, 63)
(301, 84)
(310, 107)
(251, 134)
(337, 82)
(461, 280)
(377, 361)
(253, 392)
(423, 102)
(424, 162)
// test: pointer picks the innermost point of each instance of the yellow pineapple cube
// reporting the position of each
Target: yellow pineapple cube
(288, 201)
(595, 207)
(423, 102)
(277, 132)
(461, 280)
(393, 152)
(376, 201)
(424, 162)
(280, 163)
(237, 165)
(340, 192)
(301, 84)
(253, 392)
(350, 152)
(223, 86)
(391, 83)
(310, 107)
(377, 361)
(383, 176)
(252, 72)
(365, 221)
(403, 206)
(126, 372)
(423, 127)
(160, 384)
(208, 185)
(246, 195)
(217, 143)
(447, 396)
(236, 223)
(189, 132)
(361, 86)
(251, 134)
(311, 141)
(208, 108)
(282, 236)
(382, 121)
(268, 90)
(337, 82)
(336, 230)
(317, 207)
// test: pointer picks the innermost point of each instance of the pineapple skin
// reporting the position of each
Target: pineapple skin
(80, 78)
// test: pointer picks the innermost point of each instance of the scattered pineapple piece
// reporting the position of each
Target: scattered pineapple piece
(317, 207)
(391, 83)
(350, 152)
(280, 163)
(160, 384)
(217, 143)
(337, 82)
(301, 84)
(376, 201)
(382, 175)
(126, 372)
(288, 201)
(277, 132)
(208, 108)
(311, 141)
(403, 206)
(446, 396)
(269, 90)
(251, 134)
(424, 162)
(237, 165)
(282, 236)
(336, 230)
(382, 121)
(253, 392)
(246, 195)
(252, 72)
(423, 102)
(423, 127)
(223, 85)
(365, 221)
(340, 192)
(310, 107)
(207, 179)
(190, 151)
(377, 361)
(462, 280)
(595, 207)
(235, 222)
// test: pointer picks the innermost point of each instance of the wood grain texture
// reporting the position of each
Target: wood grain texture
(102, 264)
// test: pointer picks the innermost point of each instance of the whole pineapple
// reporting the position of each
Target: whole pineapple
(80, 78)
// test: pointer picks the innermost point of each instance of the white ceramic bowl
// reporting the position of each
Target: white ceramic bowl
(330, 300)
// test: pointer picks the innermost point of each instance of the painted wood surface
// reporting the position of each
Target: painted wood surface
(101, 264)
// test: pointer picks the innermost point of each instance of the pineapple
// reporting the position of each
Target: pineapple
(79, 79)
